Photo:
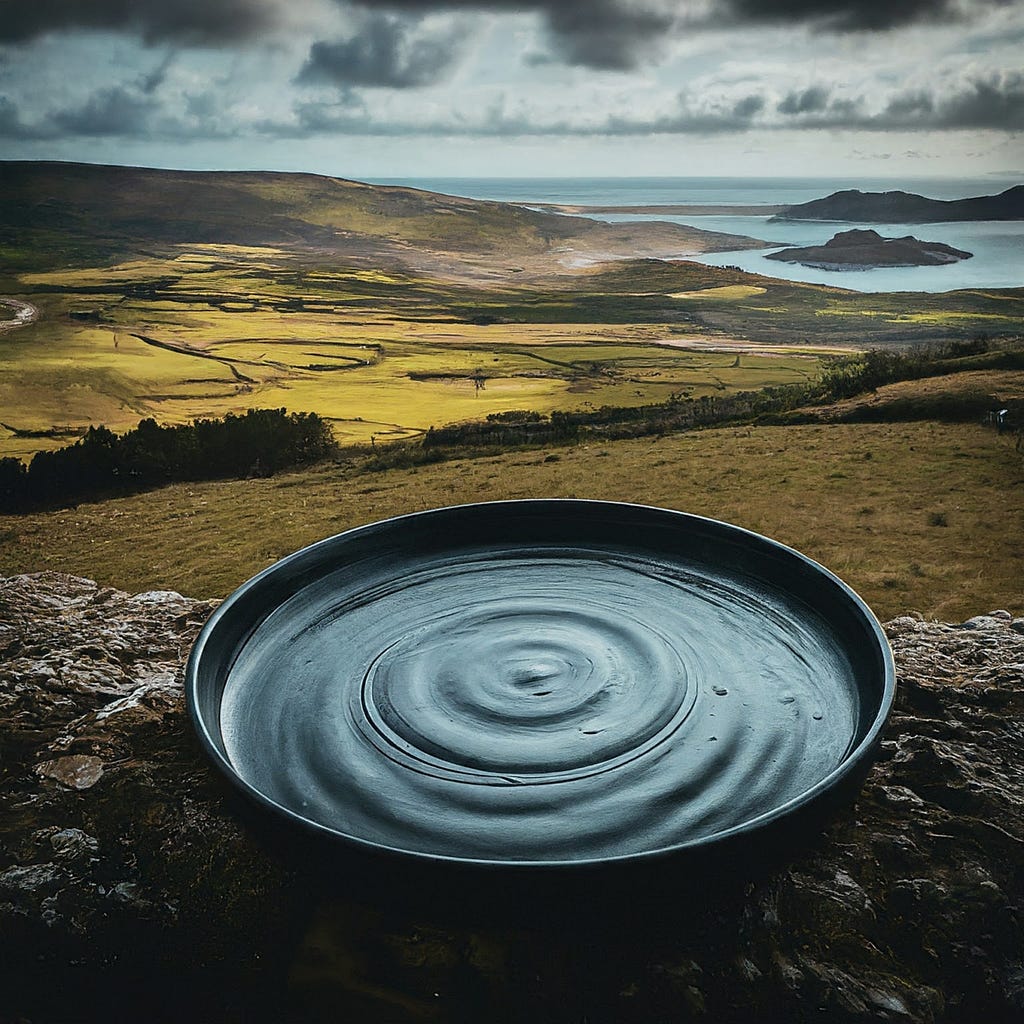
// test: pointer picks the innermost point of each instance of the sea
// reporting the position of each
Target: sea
(997, 246)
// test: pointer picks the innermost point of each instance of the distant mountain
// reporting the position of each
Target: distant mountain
(860, 250)
(907, 208)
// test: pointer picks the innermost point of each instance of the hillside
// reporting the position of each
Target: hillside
(907, 208)
(51, 207)
(864, 249)
(914, 515)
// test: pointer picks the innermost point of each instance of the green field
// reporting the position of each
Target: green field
(386, 354)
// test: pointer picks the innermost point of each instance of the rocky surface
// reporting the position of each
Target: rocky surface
(863, 249)
(131, 887)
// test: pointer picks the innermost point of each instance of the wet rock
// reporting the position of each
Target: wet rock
(128, 868)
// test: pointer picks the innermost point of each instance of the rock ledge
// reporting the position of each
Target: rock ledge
(129, 885)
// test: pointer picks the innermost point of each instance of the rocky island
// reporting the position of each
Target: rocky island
(865, 249)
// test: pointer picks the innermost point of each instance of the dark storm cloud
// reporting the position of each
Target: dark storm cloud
(808, 101)
(623, 35)
(188, 22)
(848, 15)
(115, 111)
(610, 35)
(386, 51)
(994, 102)
(748, 107)
(606, 35)
(997, 102)
(910, 106)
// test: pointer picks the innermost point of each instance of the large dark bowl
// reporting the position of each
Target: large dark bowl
(550, 684)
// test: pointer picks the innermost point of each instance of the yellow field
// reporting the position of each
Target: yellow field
(218, 329)
(728, 292)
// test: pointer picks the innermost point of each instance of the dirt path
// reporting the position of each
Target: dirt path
(24, 313)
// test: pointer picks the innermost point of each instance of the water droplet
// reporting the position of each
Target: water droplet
(817, 716)
(720, 690)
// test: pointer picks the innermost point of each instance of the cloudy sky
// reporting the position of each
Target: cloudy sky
(409, 88)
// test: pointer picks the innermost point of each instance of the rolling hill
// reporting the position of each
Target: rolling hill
(89, 210)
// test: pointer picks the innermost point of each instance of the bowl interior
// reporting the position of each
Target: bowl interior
(540, 683)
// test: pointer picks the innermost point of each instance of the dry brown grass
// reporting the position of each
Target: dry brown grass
(916, 516)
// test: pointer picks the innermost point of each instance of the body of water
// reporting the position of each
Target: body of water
(998, 246)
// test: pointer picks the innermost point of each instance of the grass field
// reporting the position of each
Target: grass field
(223, 328)
(203, 330)
(921, 516)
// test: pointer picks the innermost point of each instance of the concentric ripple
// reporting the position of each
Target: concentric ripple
(526, 690)
(548, 706)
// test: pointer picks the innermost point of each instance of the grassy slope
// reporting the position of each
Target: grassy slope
(984, 387)
(869, 501)
(57, 207)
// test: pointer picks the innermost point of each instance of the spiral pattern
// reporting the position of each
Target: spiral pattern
(569, 706)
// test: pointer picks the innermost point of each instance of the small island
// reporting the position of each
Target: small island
(866, 249)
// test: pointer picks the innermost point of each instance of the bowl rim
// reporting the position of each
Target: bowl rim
(855, 762)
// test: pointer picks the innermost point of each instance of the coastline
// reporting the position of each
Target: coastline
(672, 210)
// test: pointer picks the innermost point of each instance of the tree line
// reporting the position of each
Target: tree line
(259, 442)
